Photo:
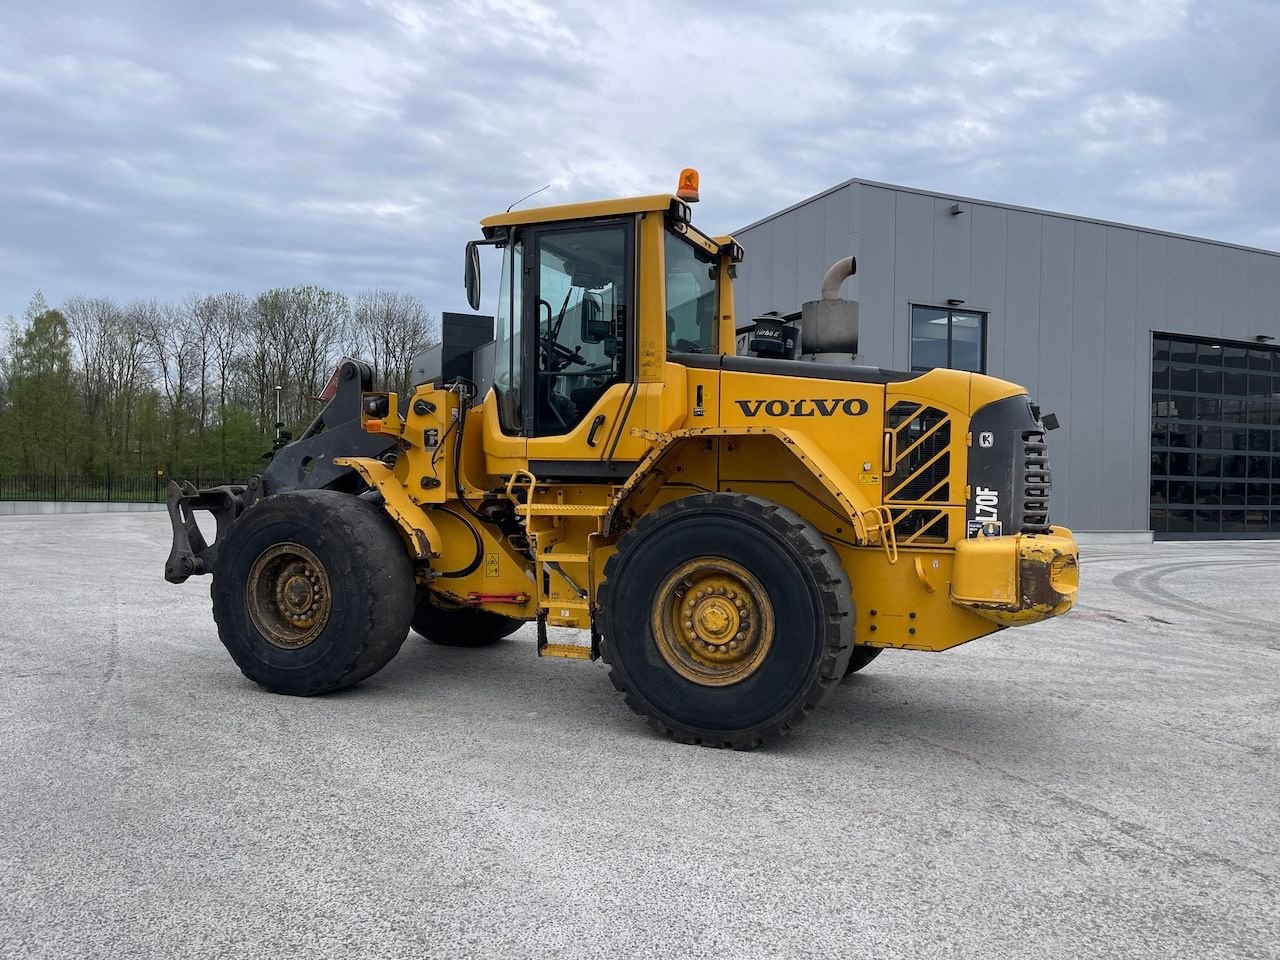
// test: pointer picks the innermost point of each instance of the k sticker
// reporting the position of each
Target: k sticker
(986, 439)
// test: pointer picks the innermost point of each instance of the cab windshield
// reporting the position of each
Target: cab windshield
(691, 296)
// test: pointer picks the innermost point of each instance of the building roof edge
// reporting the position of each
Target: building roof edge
(859, 181)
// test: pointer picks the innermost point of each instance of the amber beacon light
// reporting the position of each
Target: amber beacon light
(688, 188)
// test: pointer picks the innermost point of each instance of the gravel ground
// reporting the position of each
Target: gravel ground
(1103, 785)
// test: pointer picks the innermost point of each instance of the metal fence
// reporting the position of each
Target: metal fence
(132, 488)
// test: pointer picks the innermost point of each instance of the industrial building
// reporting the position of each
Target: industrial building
(1156, 351)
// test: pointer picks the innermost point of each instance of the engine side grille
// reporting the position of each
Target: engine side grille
(921, 470)
(1036, 481)
(909, 525)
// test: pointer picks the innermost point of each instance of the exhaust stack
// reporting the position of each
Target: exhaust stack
(827, 331)
(829, 327)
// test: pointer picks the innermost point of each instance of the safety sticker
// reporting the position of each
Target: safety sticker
(983, 528)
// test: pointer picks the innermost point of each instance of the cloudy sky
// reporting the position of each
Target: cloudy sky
(157, 147)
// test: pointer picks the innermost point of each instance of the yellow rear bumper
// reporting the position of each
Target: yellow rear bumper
(1018, 579)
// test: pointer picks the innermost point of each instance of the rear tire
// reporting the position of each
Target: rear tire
(860, 657)
(726, 619)
(312, 591)
(462, 626)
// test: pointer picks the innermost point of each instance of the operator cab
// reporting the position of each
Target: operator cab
(591, 299)
(570, 287)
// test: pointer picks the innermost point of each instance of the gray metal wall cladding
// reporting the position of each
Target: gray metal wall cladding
(1072, 304)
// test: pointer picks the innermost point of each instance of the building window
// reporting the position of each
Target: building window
(945, 337)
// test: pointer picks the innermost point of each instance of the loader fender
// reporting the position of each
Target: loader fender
(828, 474)
(419, 532)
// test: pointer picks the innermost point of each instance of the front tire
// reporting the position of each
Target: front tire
(312, 591)
(861, 656)
(462, 626)
(726, 619)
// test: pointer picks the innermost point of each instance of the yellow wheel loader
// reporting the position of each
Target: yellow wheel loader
(734, 516)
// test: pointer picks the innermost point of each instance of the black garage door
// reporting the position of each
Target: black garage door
(1215, 439)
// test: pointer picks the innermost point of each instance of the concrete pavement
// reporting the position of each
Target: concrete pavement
(1100, 786)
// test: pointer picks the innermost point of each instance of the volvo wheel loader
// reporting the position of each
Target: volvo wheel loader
(732, 534)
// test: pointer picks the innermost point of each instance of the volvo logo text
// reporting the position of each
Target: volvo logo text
(851, 407)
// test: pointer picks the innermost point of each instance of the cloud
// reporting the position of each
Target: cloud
(158, 149)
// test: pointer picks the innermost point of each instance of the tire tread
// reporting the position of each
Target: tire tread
(836, 618)
(375, 547)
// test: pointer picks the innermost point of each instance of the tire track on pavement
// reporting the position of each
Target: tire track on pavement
(1144, 583)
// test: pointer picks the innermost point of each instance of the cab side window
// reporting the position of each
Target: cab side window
(583, 304)
(508, 374)
(691, 297)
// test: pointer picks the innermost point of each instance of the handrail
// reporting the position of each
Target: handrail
(882, 523)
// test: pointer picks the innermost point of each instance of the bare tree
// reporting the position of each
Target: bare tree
(389, 329)
(170, 337)
(91, 321)
(109, 345)
(157, 379)
(230, 318)
(296, 343)
(202, 314)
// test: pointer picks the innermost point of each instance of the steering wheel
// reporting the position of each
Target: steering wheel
(559, 356)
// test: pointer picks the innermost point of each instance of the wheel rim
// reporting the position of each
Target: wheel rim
(713, 622)
(288, 595)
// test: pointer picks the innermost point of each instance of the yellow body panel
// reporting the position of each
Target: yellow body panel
(590, 210)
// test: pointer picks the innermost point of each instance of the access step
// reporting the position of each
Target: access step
(568, 651)
(560, 510)
(566, 605)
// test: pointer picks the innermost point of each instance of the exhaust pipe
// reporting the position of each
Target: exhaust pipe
(837, 274)
(829, 327)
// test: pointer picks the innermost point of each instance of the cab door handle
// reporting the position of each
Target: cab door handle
(596, 424)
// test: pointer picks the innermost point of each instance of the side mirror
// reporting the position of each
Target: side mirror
(471, 275)
(596, 327)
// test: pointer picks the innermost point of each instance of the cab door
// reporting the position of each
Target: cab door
(579, 309)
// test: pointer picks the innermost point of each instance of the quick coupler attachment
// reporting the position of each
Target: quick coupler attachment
(192, 555)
